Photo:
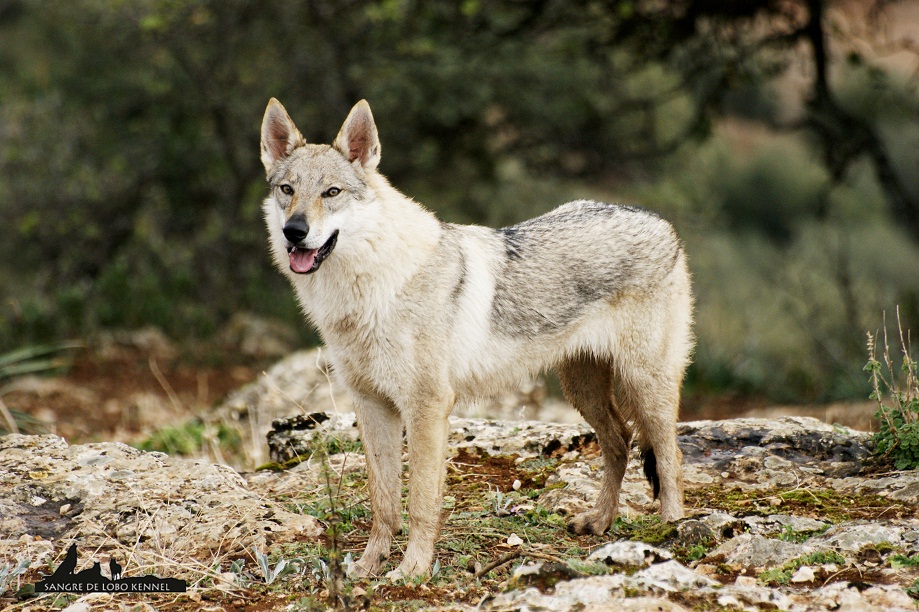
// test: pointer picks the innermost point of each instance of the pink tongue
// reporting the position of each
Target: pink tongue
(301, 260)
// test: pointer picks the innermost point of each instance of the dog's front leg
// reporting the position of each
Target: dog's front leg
(427, 428)
(381, 434)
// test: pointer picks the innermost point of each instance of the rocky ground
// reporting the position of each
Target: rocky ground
(782, 513)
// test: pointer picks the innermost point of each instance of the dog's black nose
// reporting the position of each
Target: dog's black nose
(296, 230)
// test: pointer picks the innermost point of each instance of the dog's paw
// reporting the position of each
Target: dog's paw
(590, 522)
(407, 570)
(359, 571)
(672, 515)
(365, 568)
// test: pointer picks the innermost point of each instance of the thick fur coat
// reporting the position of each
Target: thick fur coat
(417, 314)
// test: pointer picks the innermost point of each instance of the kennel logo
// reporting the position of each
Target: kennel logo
(91, 580)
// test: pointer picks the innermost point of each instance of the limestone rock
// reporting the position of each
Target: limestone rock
(902, 486)
(855, 535)
(107, 493)
(293, 436)
(796, 440)
(848, 596)
(748, 550)
(670, 576)
(629, 554)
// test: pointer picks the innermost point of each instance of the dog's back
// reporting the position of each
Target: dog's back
(560, 264)
(578, 279)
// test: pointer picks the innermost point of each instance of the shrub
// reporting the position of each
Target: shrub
(897, 395)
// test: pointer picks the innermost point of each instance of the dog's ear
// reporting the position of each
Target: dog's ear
(357, 140)
(279, 135)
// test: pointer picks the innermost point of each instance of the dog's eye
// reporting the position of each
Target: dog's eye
(287, 190)
(331, 192)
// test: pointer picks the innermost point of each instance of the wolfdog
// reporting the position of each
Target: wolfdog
(417, 314)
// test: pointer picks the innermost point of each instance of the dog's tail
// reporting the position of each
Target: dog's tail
(649, 461)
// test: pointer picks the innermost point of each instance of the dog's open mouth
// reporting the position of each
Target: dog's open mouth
(307, 261)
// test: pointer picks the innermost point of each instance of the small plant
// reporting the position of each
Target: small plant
(696, 552)
(29, 360)
(913, 590)
(283, 567)
(782, 575)
(501, 504)
(897, 395)
(8, 573)
(790, 534)
(588, 568)
(898, 561)
(190, 438)
(648, 529)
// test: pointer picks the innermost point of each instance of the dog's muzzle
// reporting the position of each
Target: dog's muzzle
(307, 261)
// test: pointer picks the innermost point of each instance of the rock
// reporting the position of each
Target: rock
(120, 495)
(294, 437)
(670, 576)
(803, 574)
(848, 596)
(541, 575)
(596, 594)
(749, 592)
(724, 526)
(607, 592)
(798, 524)
(105, 494)
(778, 524)
(748, 550)
(692, 532)
(298, 384)
(855, 535)
(902, 486)
(629, 554)
(785, 442)
(524, 438)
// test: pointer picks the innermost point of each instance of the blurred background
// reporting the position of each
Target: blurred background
(781, 137)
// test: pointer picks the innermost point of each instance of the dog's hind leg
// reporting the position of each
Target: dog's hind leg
(653, 400)
(381, 434)
(587, 383)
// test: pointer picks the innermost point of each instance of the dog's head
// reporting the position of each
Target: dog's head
(316, 190)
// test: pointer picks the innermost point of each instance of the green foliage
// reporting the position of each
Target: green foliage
(130, 183)
(790, 534)
(281, 569)
(913, 589)
(190, 438)
(773, 192)
(897, 395)
(826, 278)
(39, 359)
(782, 575)
(46, 358)
(647, 528)
(9, 573)
(131, 129)
(898, 561)
(695, 552)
